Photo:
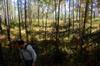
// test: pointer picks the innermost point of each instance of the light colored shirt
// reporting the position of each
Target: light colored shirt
(29, 53)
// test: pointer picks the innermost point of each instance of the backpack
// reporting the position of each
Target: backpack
(28, 50)
(34, 46)
(25, 49)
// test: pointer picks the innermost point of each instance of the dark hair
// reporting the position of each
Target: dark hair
(19, 41)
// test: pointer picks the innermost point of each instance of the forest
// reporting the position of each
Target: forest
(63, 32)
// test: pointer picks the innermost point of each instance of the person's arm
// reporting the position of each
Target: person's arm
(21, 54)
(34, 55)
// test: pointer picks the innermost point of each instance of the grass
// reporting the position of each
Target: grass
(38, 32)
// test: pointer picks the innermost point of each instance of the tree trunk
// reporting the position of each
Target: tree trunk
(25, 9)
(18, 1)
(8, 21)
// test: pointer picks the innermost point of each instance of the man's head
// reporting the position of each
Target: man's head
(20, 43)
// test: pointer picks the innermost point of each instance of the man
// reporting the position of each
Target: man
(27, 53)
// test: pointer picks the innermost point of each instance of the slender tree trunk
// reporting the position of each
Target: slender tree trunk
(7, 21)
(91, 16)
(57, 22)
(18, 4)
(77, 10)
(30, 17)
(21, 14)
(80, 18)
(84, 27)
(69, 19)
(38, 12)
(65, 12)
(46, 23)
(73, 16)
(57, 19)
(25, 7)
(4, 9)
(65, 19)
(85, 17)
